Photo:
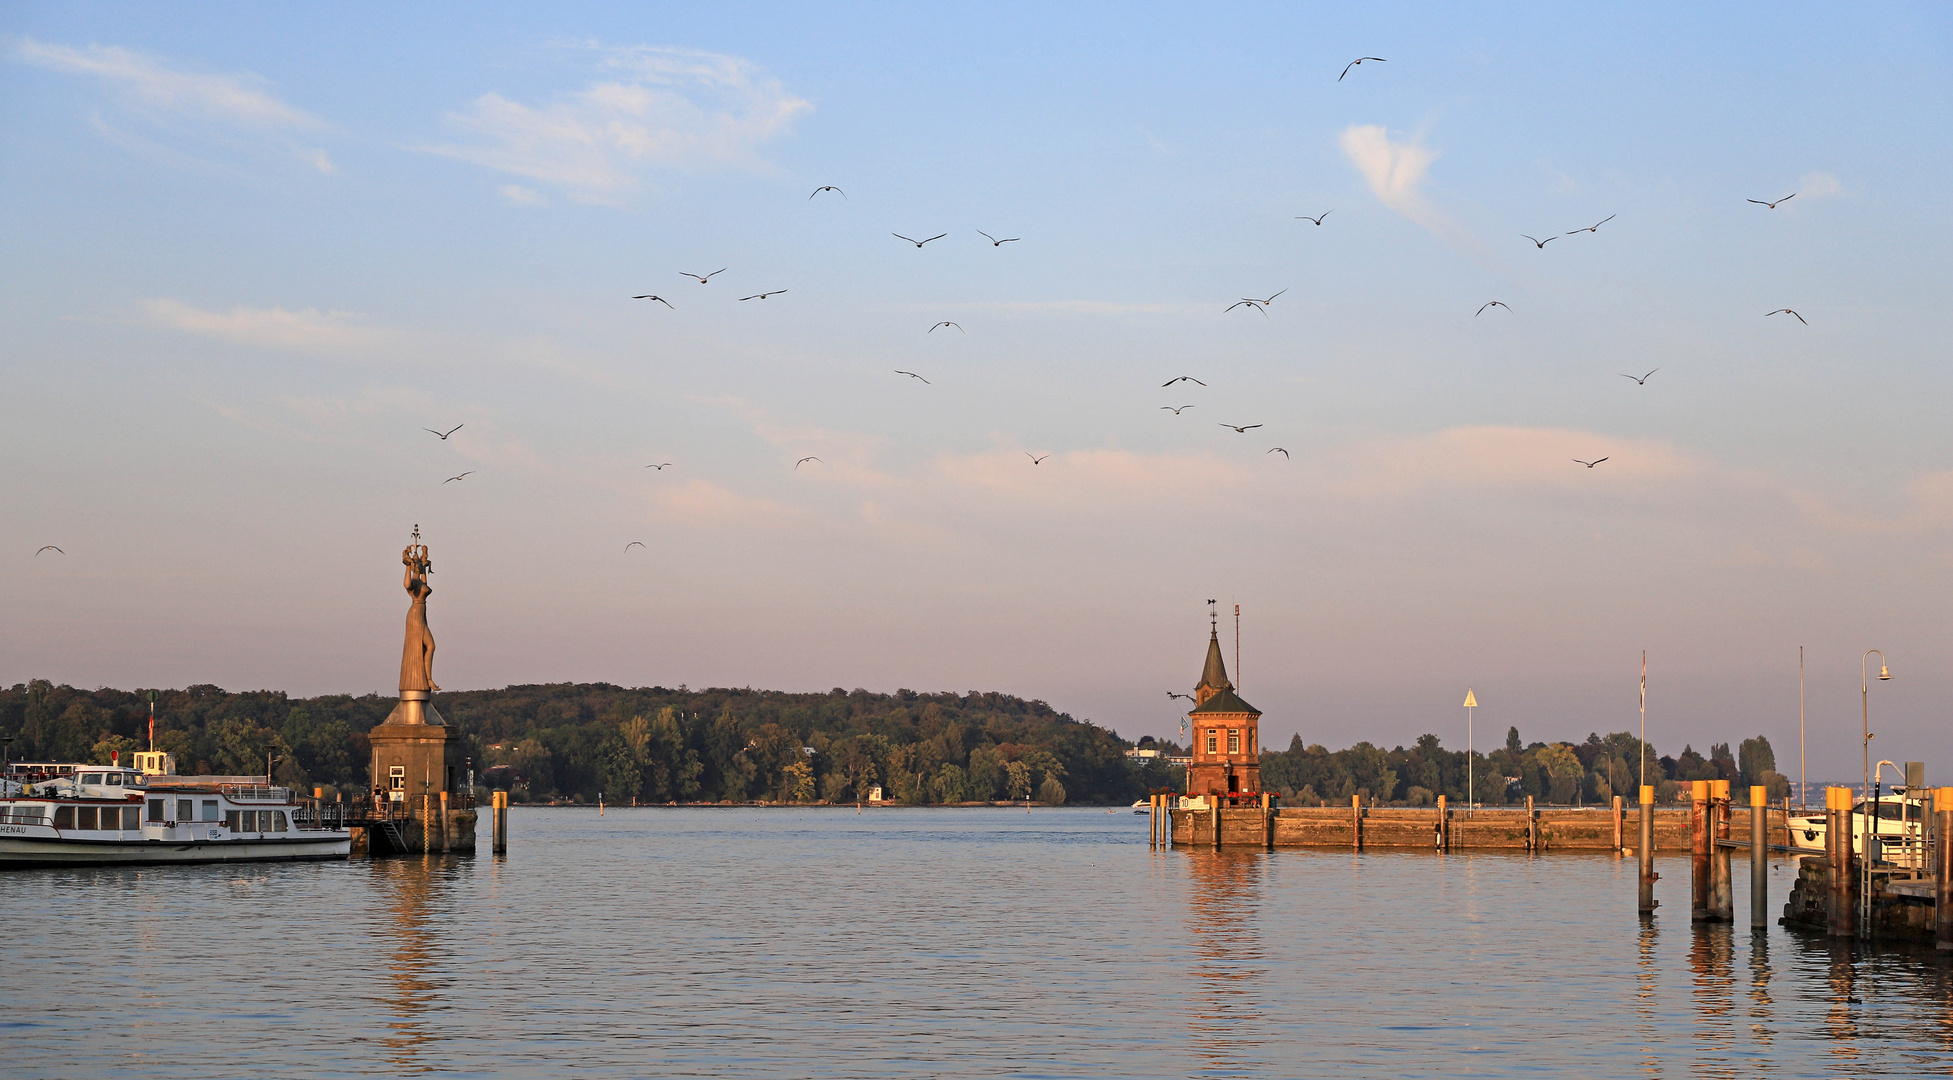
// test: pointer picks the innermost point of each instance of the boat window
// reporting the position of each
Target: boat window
(183, 811)
(84, 817)
(278, 823)
(137, 780)
(155, 809)
(231, 822)
(1887, 811)
(92, 778)
(64, 817)
(210, 810)
(131, 818)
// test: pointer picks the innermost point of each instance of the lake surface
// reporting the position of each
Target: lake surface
(920, 943)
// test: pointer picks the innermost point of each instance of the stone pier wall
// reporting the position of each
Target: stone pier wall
(1401, 827)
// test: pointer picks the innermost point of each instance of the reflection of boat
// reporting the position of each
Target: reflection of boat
(1900, 825)
(104, 814)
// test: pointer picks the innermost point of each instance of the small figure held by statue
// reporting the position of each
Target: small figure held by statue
(417, 654)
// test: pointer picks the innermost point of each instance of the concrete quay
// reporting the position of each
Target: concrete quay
(1504, 828)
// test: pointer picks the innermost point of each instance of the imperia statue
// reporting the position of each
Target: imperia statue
(417, 654)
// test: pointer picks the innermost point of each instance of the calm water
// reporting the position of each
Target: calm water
(915, 943)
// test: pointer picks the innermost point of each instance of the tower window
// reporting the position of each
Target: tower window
(1212, 741)
(1233, 741)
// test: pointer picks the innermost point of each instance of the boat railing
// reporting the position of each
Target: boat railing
(255, 793)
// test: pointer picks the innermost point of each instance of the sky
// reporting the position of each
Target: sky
(252, 252)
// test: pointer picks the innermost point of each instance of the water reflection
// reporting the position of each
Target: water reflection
(1713, 987)
(1230, 970)
(1840, 1018)
(1647, 1002)
(414, 888)
(1761, 1005)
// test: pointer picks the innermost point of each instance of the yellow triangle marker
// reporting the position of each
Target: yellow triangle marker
(1470, 701)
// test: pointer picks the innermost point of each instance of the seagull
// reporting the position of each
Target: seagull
(1034, 458)
(1270, 300)
(49, 547)
(452, 479)
(649, 296)
(828, 187)
(1595, 227)
(1176, 410)
(1787, 311)
(1245, 302)
(703, 278)
(444, 435)
(1241, 430)
(1272, 450)
(1589, 464)
(913, 375)
(940, 325)
(635, 543)
(1357, 61)
(1184, 378)
(918, 243)
(994, 242)
(1642, 380)
(1773, 205)
(1542, 243)
(805, 460)
(1490, 303)
(659, 467)
(763, 295)
(1317, 220)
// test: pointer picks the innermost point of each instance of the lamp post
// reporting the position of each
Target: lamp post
(1864, 833)
(1471, 702)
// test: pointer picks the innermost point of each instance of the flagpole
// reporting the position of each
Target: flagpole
(1644, 718)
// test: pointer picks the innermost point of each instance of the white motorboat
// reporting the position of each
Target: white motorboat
(1899, 825)
(106, 815)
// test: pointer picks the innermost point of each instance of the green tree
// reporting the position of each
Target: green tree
(1563, 770)
(1754, 758)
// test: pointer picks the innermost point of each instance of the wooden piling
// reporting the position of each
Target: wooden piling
(1646, 852)
(1214, 816)
(1698, 850)
(1532, 826)
(444, 821)
(1356, 821)
(1268, 820)
(1759, 857)
(1943, 868)
(1722, 885)
(1620, 826)
(1840, 918)
(1444, 825)
(500, 839)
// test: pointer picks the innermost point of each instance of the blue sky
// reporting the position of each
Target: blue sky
(253, 251)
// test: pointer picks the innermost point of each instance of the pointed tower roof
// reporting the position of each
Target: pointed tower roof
(1214, 676)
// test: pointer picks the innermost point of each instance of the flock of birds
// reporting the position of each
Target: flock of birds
(1258, 304)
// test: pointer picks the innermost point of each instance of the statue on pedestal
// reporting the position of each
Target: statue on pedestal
(417, 653)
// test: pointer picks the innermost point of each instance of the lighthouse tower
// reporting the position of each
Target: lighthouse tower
(1226, 745)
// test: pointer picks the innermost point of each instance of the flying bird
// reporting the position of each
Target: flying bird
(913, 375)
(1490, 303)
(649, 296)
(1595, 227)
(918, 243)
(1241, 430)
(1589, 464)
(828, 187)
(1640, 380)
(1244, 302)
(444, 434)
(703, 278)
(452, 479)
(635, 543)
(994, 242)
(807, 459)
(1270, 300)
(49, 547)
(1317, 220)
(1773, 205)
(1787, 311)
(1542, 243)
(660, 467)
(1035, 458)
(1357, 61)
(1279, 450)
(940, 325)
(1183, 378)
(763, 295)
(1176, 409)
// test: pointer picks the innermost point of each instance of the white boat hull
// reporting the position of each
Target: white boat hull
(38, 845)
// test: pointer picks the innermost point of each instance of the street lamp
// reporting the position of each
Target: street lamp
(1865, 834)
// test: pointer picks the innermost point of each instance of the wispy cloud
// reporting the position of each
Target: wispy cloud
(305, 330)
(1394, 170)
(523, 196)
(1819, 185)
(666, 108)
(154, 88)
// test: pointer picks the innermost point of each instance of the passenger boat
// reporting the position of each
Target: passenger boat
(107, 815)
(1899, 824)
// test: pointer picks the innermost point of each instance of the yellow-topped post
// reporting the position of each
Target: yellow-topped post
(1759, 857)
(1943, 868)
(1646, 852)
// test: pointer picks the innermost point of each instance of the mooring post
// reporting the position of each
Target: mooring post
(1722, 885)
(444, 821)
(1532, 826)
(1216, 814)
(1837, 870)
(1444, 826)
(1356, 821)
(1759, 857)
(1646, 852)
(1620, 826)
(1698, 850)
(500, 840)
(1943, 868)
